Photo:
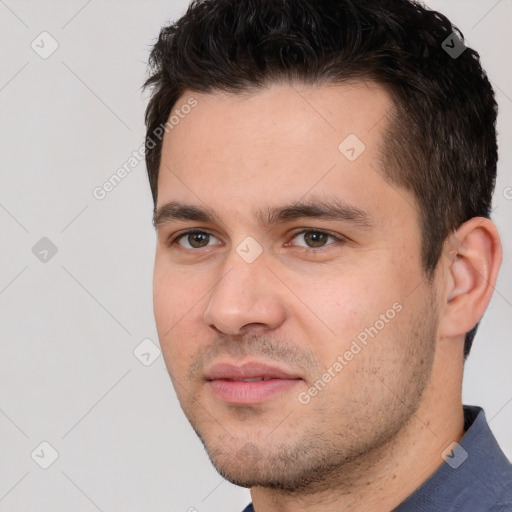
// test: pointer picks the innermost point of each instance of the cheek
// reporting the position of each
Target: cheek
(348, 303)
(175, 292)
(165, 299)
(363, 315)
(175, 305)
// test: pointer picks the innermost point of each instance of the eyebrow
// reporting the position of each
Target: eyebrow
(328, 209)
(175, 210)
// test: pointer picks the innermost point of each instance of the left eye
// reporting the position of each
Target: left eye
(194, 239)
(314, 239)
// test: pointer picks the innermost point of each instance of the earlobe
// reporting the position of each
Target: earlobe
(473, 258)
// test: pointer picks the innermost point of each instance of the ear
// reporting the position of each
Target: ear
(472, 258)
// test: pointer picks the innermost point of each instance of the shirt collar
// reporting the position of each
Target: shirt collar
(472, 477)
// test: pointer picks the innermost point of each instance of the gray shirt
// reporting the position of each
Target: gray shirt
(475, 477)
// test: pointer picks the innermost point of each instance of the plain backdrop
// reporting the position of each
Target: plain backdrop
(75, 271)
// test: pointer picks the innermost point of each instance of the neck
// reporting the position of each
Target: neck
(386, 476)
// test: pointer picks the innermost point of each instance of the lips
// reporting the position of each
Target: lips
(249, 384)
(248, 372)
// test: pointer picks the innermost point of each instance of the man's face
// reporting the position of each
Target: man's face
(334, 310)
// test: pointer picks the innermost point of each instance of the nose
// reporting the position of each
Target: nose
(247, 298)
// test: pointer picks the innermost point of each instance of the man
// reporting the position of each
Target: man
(322, 173)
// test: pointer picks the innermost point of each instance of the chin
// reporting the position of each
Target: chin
(287, 468)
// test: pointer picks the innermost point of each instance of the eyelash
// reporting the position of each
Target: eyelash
(307, 250)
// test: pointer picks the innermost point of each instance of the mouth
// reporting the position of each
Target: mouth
(254, 379)
(251, 383)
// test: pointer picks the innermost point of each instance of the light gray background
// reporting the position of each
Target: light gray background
(68, 375)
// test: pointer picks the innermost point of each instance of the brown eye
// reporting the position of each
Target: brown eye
(198, 240)
(314, 239)
(194, 240)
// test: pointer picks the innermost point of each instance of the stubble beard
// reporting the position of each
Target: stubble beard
(323, 455)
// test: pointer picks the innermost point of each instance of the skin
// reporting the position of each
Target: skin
(377, 429)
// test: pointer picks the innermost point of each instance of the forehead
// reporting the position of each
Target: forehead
(277, 115)
(238, 152)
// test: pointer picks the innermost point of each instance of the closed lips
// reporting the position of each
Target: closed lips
(253, 379)
(248, 372)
